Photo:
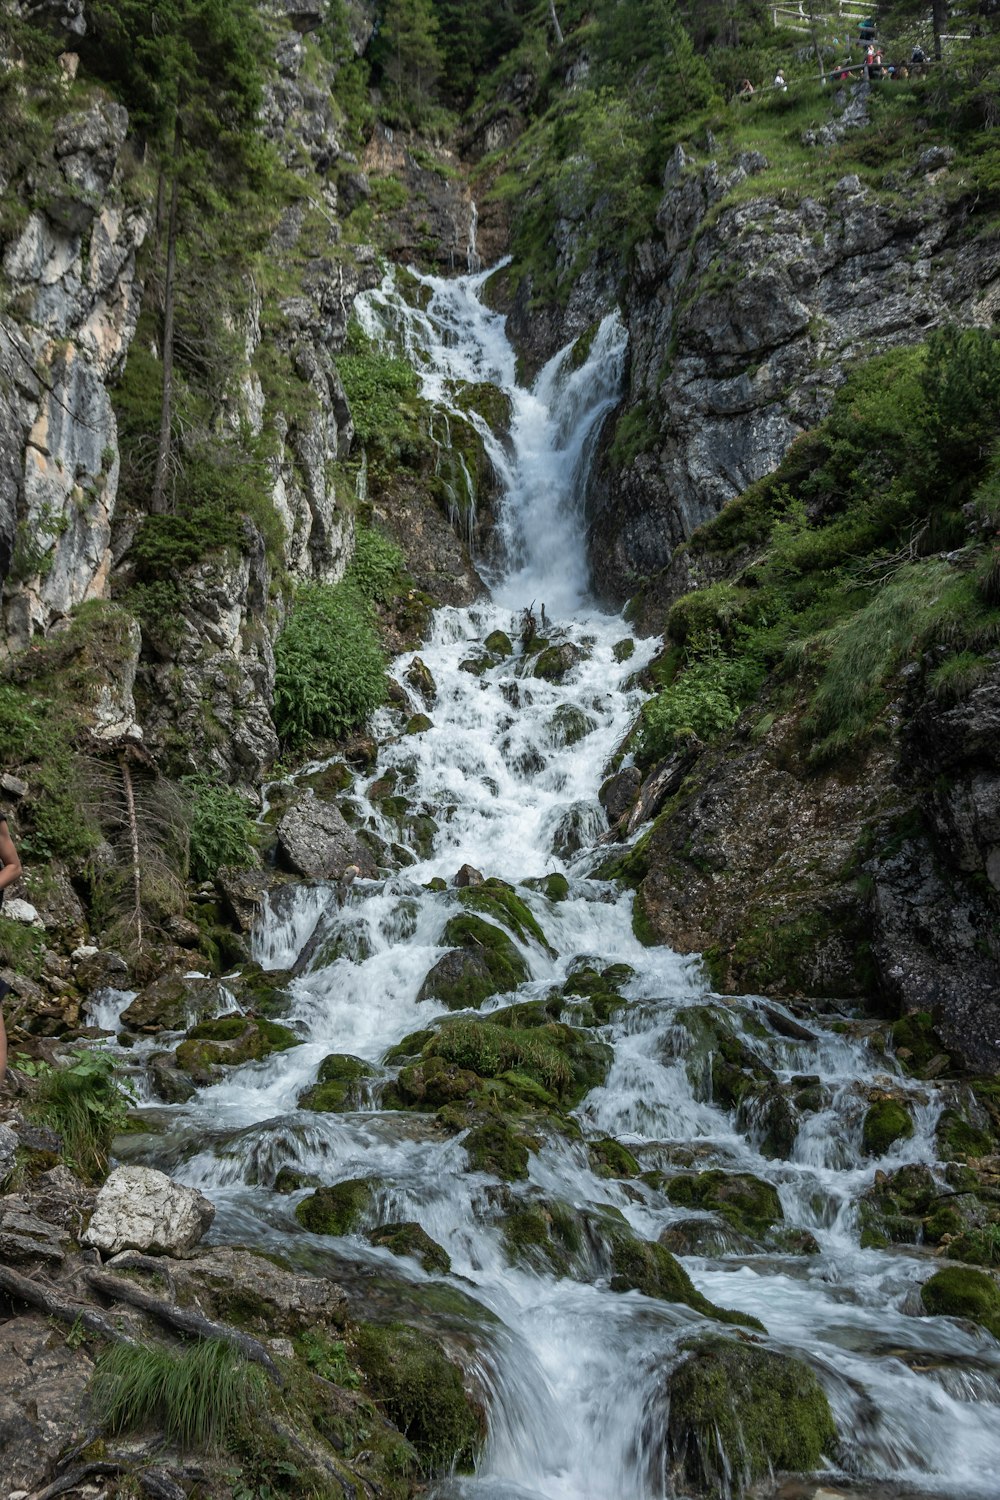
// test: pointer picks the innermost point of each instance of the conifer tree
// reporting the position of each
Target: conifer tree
(410, 57)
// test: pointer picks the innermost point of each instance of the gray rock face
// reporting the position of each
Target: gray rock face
(285, 1302)
(174, 1002)
(741, 327)
(41, 1399)
(315, 841)
(141, 1209)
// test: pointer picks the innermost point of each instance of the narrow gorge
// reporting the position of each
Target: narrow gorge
(504, 995)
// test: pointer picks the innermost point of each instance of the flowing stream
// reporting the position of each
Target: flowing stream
(576, 1374)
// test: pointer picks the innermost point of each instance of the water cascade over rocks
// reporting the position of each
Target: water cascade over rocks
(599, 1108)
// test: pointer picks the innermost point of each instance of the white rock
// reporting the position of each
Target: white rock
(85, 950)
(141, 1209)
(22, 911)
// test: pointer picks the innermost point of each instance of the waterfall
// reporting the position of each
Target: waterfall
(510, 770)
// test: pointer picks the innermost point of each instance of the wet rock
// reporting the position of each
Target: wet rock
(419, 724)
(434, 1083)
(174, 1002)
(723, 1067)
(638, 1265)
(141, 1209)
(494, 1148)
(569, 725)
(617, 795)
(338, 1086)
(748, 1204)
(418, 675)
(885, 1122)
(957, 1292)
(228, 1041)
(291, 1180)
(409, 1239)
(553, 887)
(486, 963)
(467, 876)
(499, 901)
(609, 1158)
(315, 841)
(339, 1209)
(424, 1394)
(739, 1413)
(543, 1234)
(706, 1237)
(555, 663)
(250, 1290)
(498, 643)
(168, 1081)
(242, 894)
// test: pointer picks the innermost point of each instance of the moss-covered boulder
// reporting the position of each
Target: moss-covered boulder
(569, 725)
(748, 1204)
(542, 1234)
(291, 1180)
(705, 1237)
(553, 887)
(724, 1067)
(229, 1041)
(886, 1121)
(501, 903)
(554, 663)
(431, 1084)
(609, 1158)
(638, 1265)
(498, 642)
(518, 1043)
(904, 1208)
(338, 1086)
(739, 1413)
(423, 1393)
(339, 1209)
(409, 1239)
(959, 1292)
(174, 1002)
(483, 962)
(418, 675)
(493, 1147)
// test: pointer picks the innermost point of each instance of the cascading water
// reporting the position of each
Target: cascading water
(576, 1373)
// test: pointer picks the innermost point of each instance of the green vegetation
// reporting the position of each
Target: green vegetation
(958, 1293)
(886, 1122)
(745, 1202)
(409, 1239)
(222, 830)
(837, 578)
(739, 1413)
(642, 1266)
(423, 1393)
(87, 1105)
(329, 666)
(205, 1396)
(337, 1210)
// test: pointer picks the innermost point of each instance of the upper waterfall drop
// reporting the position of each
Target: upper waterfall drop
(455, 339)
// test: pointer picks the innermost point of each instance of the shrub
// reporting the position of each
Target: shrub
(376, 565)
(329, 666)
(705, 699)
(203, 1396)
(222, 831)
(86, 1104)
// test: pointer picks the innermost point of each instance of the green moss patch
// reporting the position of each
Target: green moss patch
(338, 1086)
(423, 1393)
(639, 1265)
(957, 1292)
(494, 1148)
(739, 1413)
(409, 1239)
(886, 1122)
(501, 903)
(744, 1201)
(339, 1209)
(488, 964)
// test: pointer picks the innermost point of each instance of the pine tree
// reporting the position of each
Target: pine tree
(410, 57)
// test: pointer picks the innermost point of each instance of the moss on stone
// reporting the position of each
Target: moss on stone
(746, 1202)
(409, 1239)
(229, 1041)
(493, 1147)
(494, 965)
(418, 724)
(544, 1235)
(423, 1393)
(957, 1292)
(291, 1180)
(609, 1158)
(739, 1413)
(499, 901)
(641, 1266)
(498, 642)
(339, 1209)
(915, 1040)
(886, 1121)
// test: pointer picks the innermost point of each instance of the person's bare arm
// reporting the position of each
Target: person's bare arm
(11, 859)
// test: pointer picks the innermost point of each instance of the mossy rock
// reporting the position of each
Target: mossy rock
(957, 1292)
(609, 1158)
(172, 1003)
(423, 1393)
(723, 1067)
(706, 1237)
(641, 1266)
(291, 1180)
(409, 1239)
(893, 1210)
(433, 1083)
(624, 650)
(553, 887)
(494, 1148)
(569, 725)
(418, 675)
(409, 1046)
(498, 643)
(564, 1061)
(744, 1201)
(339, 1209)
(740, 1413)
(555, 663)
(500, 902)
(916, 1042)
(544, 1235)
(886, 1121)
(489, 964)
(338, 1084)
(418, 724)
(229, 1042)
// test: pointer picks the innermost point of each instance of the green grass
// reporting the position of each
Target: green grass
(87, 1106)
(329, 666)
(203, 1396)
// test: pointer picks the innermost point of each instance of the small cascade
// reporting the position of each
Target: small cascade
(473, 263)
(577, 1374)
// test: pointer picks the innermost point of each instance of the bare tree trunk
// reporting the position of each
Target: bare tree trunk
(133, 833)
(815, 41)
(555, 22)
(940, 21)
(158, 504)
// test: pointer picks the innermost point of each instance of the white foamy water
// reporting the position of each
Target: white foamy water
(577, 1374)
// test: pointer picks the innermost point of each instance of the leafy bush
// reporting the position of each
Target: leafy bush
(222, 831)
(382, 394)
(329, 666)
(705, 699)
(203, 1396)
(376, 565)
(86, 1104)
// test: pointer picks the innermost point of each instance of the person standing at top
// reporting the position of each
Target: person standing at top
(779, 80)
(10, 872)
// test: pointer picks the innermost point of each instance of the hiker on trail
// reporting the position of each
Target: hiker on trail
(876, 70)
(869, 60)
(745, 89)
(11, 870)
(779, 81)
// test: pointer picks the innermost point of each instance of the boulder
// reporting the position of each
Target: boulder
(142, 1209)
(239, 1286)
(173, 1002)
(315, 840)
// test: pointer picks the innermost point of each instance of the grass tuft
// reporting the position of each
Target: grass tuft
(203, 1396)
